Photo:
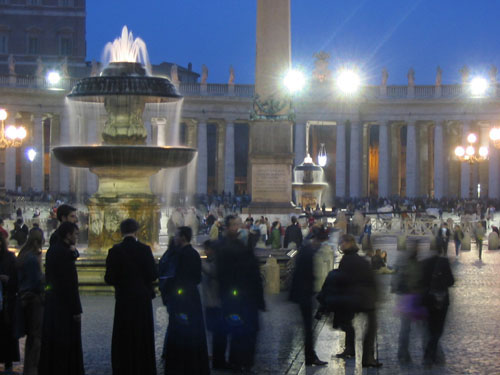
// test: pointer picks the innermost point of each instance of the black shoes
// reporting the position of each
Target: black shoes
(345, 354)
(315, 362)
(372, 363)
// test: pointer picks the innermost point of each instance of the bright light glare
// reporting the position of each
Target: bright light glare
(53, 78)
(471, 138)
(483, 152)
(31, 154)
(348, 81)
(3, 114)
(21, 133)
(11, 132)
(308, 159)
(495, 134)
(470, 151)
(478, 86)
(322, 159)
(294, 80)
(460, 151)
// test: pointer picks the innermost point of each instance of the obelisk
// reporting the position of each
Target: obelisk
(271, 150)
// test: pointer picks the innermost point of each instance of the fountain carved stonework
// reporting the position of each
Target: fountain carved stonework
(124, 163)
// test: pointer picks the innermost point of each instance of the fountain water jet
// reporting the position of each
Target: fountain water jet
(124, 163)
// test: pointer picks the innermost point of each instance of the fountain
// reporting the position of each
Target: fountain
(308, 183)
(123, 162)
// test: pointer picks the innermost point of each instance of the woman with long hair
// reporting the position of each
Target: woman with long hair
(9, 345)
(30, 281)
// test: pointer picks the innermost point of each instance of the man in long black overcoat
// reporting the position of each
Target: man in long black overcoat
(131, 269)
(61, 352)
(186, 344)
(241, 293)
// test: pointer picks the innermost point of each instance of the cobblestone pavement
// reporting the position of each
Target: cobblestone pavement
(471, 341)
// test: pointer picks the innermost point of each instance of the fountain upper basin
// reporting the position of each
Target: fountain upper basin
(117, 156)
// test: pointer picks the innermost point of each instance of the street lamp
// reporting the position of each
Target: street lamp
(31, 154)
(12, 136)
(479, 86)
(472, 156)
(348, 81)
(322, 156)
(294, 81)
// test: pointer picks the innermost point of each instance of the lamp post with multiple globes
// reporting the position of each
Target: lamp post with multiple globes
(472, 155)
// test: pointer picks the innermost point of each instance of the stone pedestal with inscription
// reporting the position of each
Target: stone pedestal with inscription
(271, 161)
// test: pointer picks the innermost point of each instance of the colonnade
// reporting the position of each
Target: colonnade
(415, 158)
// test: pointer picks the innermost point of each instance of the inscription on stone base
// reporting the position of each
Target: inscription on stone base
(271, 183)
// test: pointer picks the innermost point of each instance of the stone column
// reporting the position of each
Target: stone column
(464, 167)
(395, 160)
(340, 162)
(37, 174)
(300, 143)
(355, 161)
(412, 172)
(494, 171)
(439, 161)
(229, 162)
(384, 162)
(10, 169)
(202, 167)
(64, 174)
(219, 159)
(483, 167)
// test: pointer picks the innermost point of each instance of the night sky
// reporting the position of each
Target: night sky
(372, 34)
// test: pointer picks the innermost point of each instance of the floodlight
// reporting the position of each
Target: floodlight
(53, 77)
(478, 86)
(31, 154)
(294, 80)
(348, 81)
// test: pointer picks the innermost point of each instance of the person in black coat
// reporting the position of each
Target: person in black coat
(443, 237)
(436, 279)
(293, 233)
(65, 213)
(241, 293)
(185, 350)
(9, 345)
(361, 288)
(302, 289)
(131, 269)
(61, 352)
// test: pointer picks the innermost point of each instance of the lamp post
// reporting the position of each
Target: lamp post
(470, 155)
(10, 136)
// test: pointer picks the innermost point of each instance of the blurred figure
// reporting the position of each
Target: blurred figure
(302, 289)
(275, 235)
(20, 232)
(9, 345)
(443, 238)
(3, 232)
(436, 279)
(215, 231)
(242, 294)
(30, 281)
(213, 308)
(361, 287)
(61, 352)
(367, 231)
(407, 284)
(131, 269)
(185, 345)
(458, 236)
(293, 234)
(479, 232)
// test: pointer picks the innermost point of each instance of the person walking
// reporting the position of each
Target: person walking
(443, 238)
(9, 344)
(242, 295)
(302, 289)
(185, 344)
(479, 232)
(458, 236)
(436, 279)
(131, 269)
(61, 351)
(31, 284)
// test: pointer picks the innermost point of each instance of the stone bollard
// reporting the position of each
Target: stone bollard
(401, 242)
(271, 272)
(493, 241)
(466, 242)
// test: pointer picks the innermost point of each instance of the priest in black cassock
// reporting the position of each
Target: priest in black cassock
(186, 344)
(131, 269)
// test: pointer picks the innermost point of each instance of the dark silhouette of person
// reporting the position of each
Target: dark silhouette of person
(61, 352)
(293, 233)
(443, 237)
(131, 269)
(436, 279)
(65, 213)
(185, 344)
(242, 294)
(9, 344)
(302, 289)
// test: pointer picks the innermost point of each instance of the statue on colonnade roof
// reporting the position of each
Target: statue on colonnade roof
(321, 72)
